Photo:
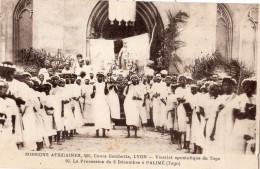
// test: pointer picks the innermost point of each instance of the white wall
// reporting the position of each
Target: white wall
(48, 24)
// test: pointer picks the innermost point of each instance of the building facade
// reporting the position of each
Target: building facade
(69, 24)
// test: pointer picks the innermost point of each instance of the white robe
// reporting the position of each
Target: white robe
(142, 109)
(171, 107)
(49, 120)
(31, 134)
(7, 139)
(148, 101)
(192, 129)
(101, 108)
(242, 127)
(131, 106)
(114, 105)
(224, 123)
(210, 108)
(76, 92)
(156, 104)
(87, 111)
(200, 138)
(164, 91)
(181, 113)
(56, 103)
(69, 118)
(12, 109)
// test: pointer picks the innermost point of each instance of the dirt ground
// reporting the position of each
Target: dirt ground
(149, 142)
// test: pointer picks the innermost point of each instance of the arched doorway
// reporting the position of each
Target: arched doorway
(147, 16)
(22, 26)
(224, 31)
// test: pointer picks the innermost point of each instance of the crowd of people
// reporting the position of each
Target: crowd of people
(207, 116)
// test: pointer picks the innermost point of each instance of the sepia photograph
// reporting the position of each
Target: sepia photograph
(124, 76)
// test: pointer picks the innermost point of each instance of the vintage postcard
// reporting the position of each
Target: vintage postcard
(129, 84)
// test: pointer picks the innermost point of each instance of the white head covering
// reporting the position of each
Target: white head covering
(100, 73)
(165, 72)
(134, 75)
(193, 85)
(187, 75)
(26, 73)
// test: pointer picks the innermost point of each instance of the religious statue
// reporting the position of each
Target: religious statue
(124, 56)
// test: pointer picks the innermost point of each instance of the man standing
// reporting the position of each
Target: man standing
(156, 101)
(131, 104)
(100, 105)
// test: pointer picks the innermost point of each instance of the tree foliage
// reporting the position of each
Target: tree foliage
(33, 59)
(170, 37)
(206, 66)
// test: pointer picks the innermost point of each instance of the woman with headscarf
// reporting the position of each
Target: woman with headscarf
(131, 104)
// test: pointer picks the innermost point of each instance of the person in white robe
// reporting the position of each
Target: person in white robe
(181, 116)
(8, 136)
(133, 97)
(80, 68)
(69, 117)
(245, 123)
(32, 135)
(224, 121)
(44, 70)
(148, 101)
(100, 105)
(42, 79)
(76, 104)
(211, 109)
(155, 90)
(15, 89)
(87, 101)
(165, 90)
(171, 107)
(92, 78)
(48, 104)
(67, 68)
(56, 102)
(142, 105)
(192, 121)
(113, 100)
